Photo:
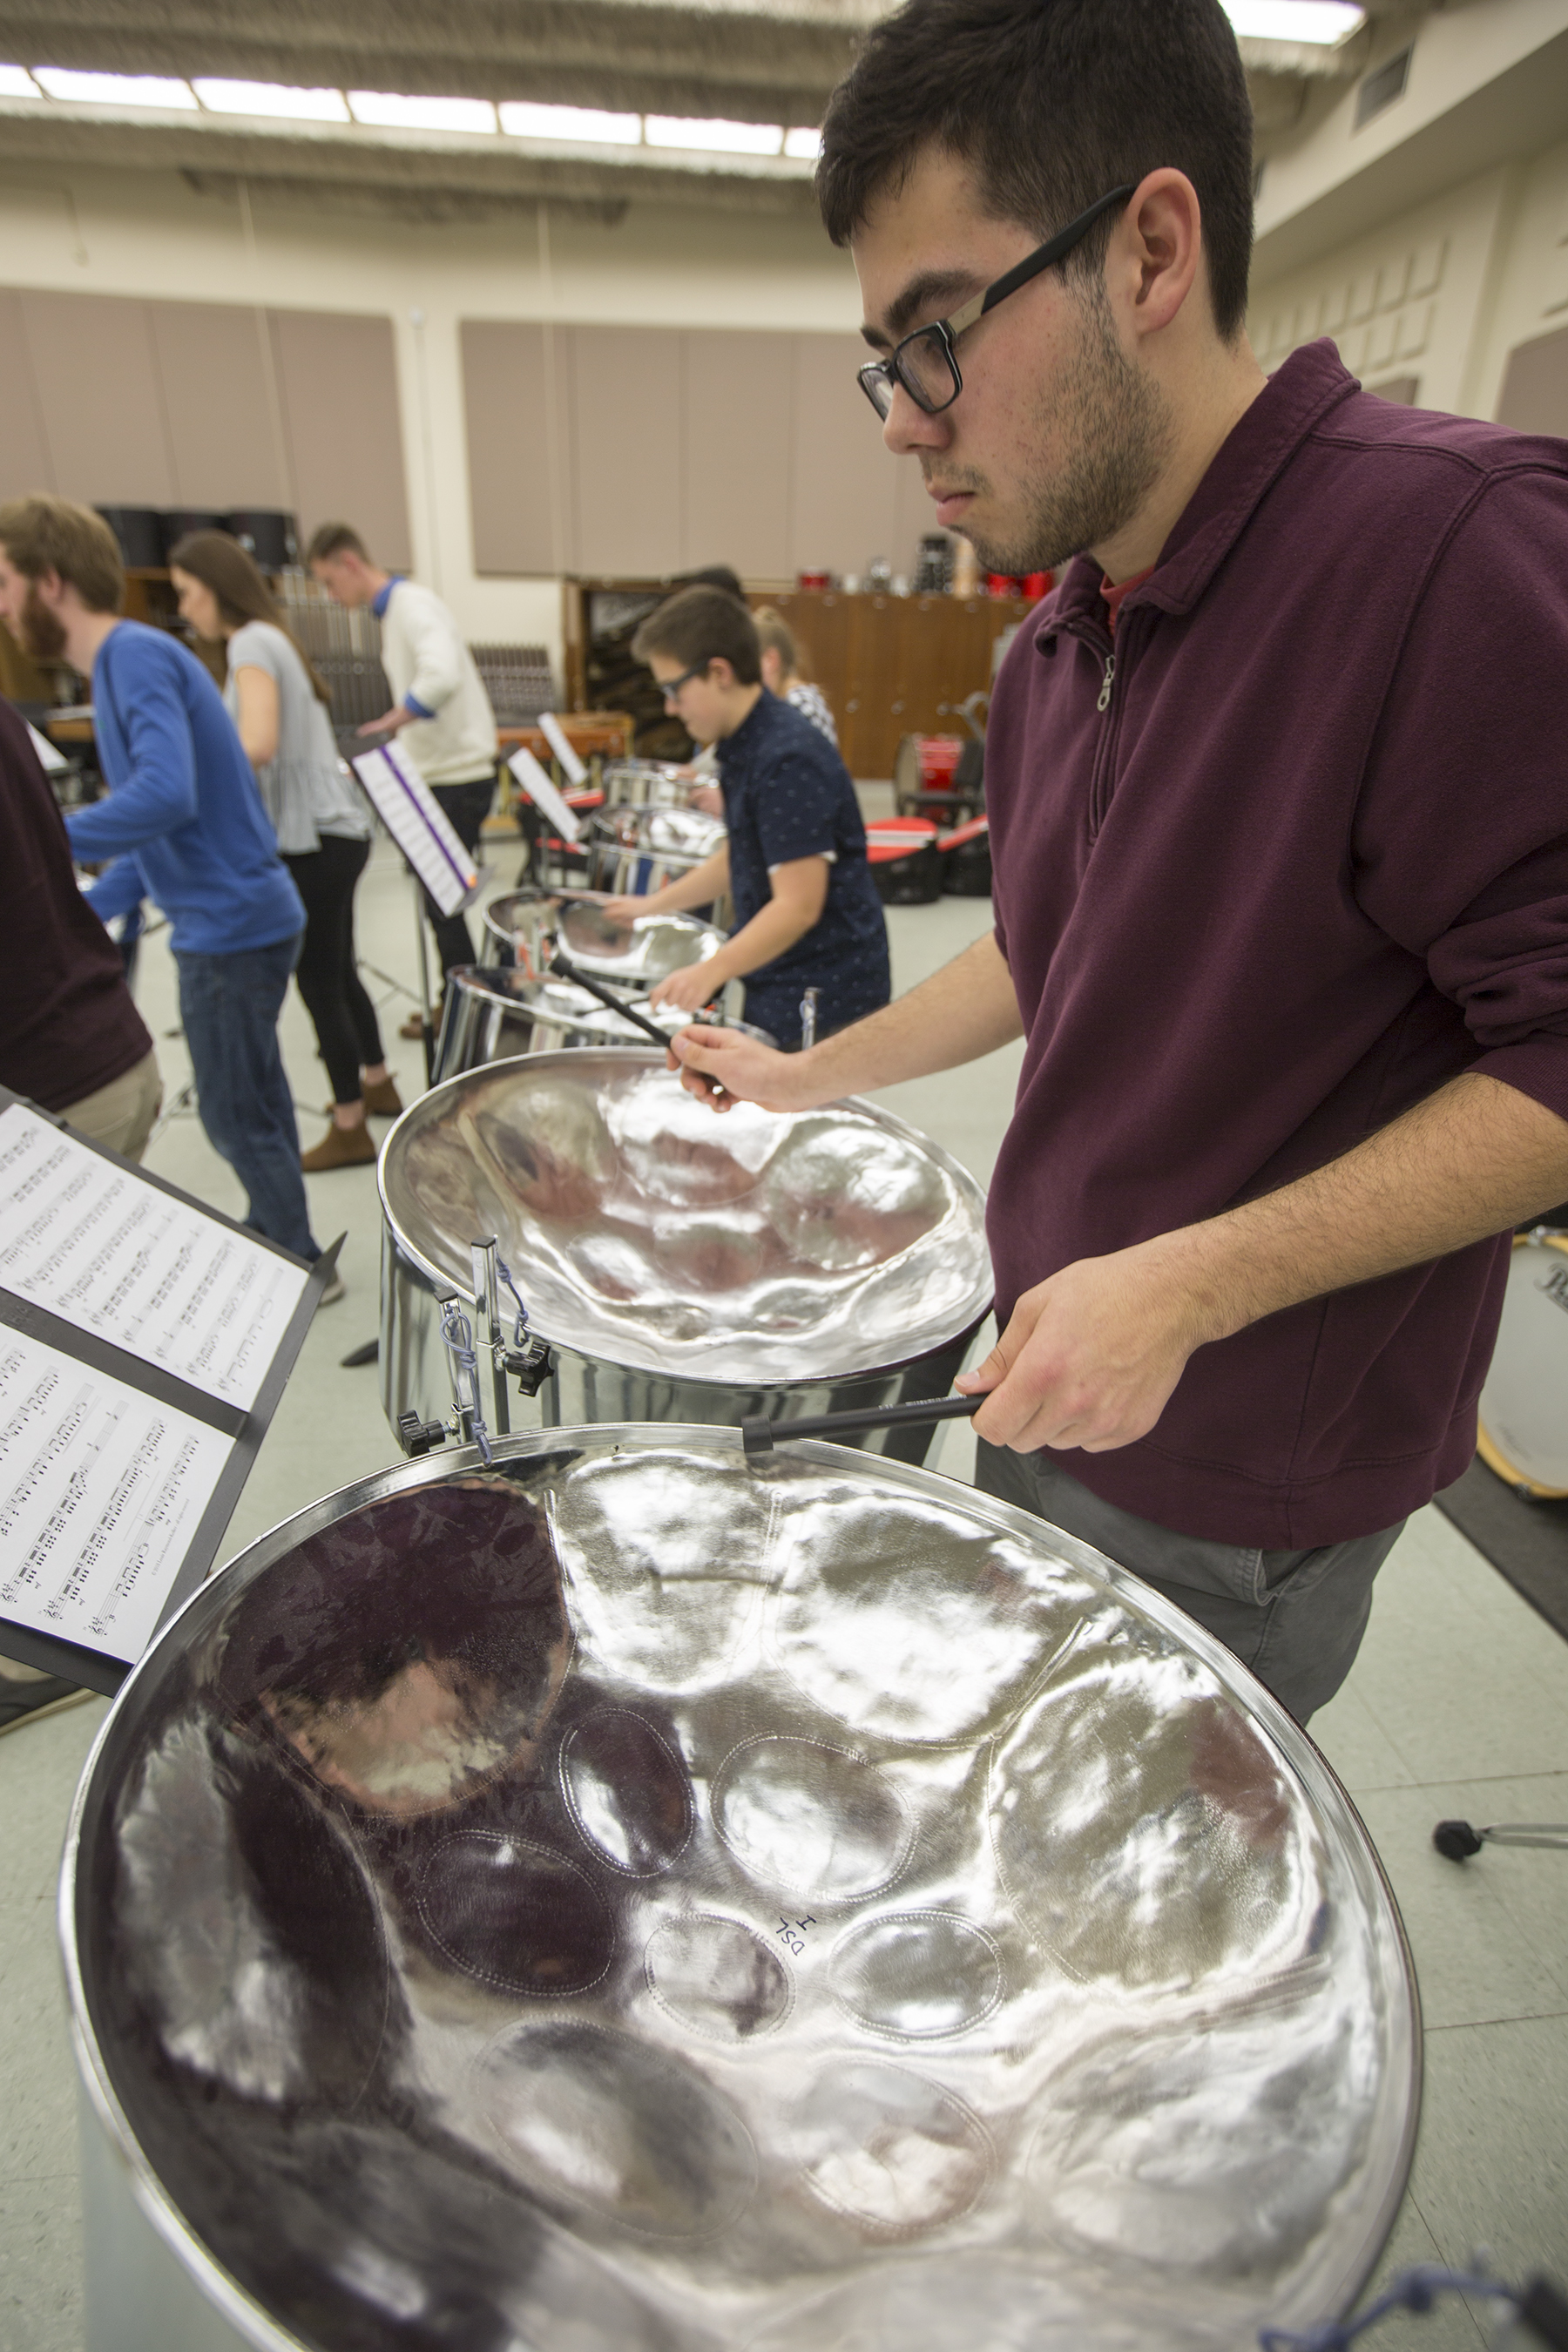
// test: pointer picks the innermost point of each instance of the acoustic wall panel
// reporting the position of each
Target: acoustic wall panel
(1534, 397)
(518, 419)
(25, 461)
(627, 444)
(844, 485)
(337, 378)
(225, 448)
(101, 401)
(739, 452)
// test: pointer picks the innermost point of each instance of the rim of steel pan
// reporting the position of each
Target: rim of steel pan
(1331, 1802)
(579, 1062)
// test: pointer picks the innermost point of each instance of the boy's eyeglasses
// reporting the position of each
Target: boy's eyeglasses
(670, 688)
(925, 363)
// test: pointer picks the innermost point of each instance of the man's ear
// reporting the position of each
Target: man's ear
(721, 672)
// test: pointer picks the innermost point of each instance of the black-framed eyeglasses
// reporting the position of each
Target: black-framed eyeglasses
(926, 364)
(670, 688)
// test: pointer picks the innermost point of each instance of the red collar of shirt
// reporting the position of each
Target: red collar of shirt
(1113, 596)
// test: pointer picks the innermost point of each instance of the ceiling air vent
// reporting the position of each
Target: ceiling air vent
(1381, 88)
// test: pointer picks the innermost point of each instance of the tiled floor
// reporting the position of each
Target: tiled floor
(1458, 1705)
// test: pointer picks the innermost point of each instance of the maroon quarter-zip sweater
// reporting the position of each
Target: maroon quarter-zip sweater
(1287, 861)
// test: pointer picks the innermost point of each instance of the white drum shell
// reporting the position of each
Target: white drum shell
(1525, 1404)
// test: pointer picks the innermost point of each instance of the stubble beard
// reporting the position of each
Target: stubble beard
(1114, 429)
(42, 631)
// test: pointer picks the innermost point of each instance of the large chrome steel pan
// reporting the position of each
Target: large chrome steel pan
(491, 1015)
(683, 1267)
(630, 1900)
(526, 926)
(633, 852)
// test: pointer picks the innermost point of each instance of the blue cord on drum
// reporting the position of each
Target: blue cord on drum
(1542, 2309)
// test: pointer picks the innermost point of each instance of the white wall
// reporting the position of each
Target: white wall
(1442, 289)
(151, 235)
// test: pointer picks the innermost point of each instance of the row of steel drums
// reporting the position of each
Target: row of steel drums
(646, 834)
(632, 1898)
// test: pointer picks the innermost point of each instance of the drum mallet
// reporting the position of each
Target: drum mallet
(567, 969)
(758, 1433)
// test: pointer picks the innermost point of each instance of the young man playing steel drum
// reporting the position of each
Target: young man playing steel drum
(1276, 801)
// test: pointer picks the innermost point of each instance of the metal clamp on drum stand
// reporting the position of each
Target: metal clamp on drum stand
(523, 1358)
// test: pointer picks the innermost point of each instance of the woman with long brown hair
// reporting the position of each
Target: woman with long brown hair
(279, 706)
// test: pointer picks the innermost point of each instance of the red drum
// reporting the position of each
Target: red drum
(925, 768)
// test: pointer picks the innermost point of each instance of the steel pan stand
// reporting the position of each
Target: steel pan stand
(481, 1360)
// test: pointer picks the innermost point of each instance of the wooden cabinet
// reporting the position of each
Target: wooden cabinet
(894, 665)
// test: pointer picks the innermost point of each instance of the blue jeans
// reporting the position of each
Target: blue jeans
(230, 1005)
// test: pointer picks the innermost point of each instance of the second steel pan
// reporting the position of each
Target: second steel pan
(636, 851)
(635, 1900)
(528, 926)
(491, 1015)
(646, 783)
(682, 1266)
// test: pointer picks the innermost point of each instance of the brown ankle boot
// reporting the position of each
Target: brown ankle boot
(384, 1098)
(341, 1147)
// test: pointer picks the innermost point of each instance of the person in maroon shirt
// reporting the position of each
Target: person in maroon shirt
(1277, 822)
(73, 1042)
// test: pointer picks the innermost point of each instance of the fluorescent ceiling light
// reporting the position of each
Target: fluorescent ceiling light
(115, 90)
(805, 145)
(271, 98)
(16, 81)
(523, 119)
(712, 134)
(1322, 22)
(392, 112)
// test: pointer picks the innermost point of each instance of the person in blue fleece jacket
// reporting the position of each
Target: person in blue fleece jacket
(184, 825)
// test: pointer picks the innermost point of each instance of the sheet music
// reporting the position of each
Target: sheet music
(101, 1492)
(555, 736)
(419, 825)
(543, 795)
(112, 1254)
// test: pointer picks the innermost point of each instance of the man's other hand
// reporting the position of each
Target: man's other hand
(748, 1071)
(1089, 1357)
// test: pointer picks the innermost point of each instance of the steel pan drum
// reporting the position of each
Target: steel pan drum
(635, 851)
(490, 1015)
(636, 1901)
(683, 1267)
(529, 926)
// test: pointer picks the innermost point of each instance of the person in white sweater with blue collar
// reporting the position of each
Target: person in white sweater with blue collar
(441, 712)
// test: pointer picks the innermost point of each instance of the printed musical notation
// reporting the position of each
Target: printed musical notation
(107, 1252)
(101, 1492)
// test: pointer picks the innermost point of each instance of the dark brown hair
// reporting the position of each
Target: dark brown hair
(47, 534)
(1053, 103)
(329, 538)
(221, 565)
(700, 626)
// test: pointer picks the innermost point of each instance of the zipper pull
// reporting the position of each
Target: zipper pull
(1109, 681)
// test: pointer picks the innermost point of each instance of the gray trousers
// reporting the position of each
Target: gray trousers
(1296, 1618)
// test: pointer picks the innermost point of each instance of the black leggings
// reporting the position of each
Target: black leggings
(327, 971)
(465, 807)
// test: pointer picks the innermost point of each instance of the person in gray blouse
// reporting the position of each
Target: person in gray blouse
(324, 828)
